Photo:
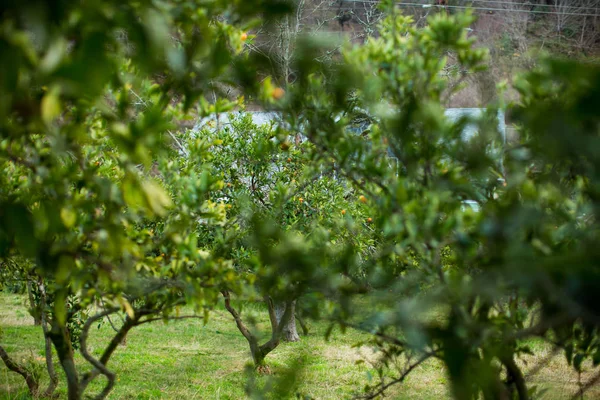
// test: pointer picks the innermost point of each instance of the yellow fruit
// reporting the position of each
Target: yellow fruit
(369, 220)
(362, 199)
(244, 36)
(278, 93)
(300, 199)
(343, 212)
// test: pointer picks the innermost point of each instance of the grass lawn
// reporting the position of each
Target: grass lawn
(189, 360)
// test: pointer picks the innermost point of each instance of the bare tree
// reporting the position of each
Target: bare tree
(577, 20)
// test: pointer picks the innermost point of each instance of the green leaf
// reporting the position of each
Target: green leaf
(68, 217)
(50, 105)
(577, 361)
(54, 55)
(64, 270)
(158, 200)
(60, 308)
(126, 306)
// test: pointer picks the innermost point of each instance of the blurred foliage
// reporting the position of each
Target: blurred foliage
(473, 284)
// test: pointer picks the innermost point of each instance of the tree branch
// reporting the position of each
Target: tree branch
(272, 314)
(279, 326)
(48, 343)
(399, 379)
(30, 379)
(110, 376)
(595, 379)
(238, 320)
(517, 376)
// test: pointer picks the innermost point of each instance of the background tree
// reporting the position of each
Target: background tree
(270, 180)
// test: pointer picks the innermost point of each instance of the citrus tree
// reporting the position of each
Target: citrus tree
(277, 196)
(87, 107)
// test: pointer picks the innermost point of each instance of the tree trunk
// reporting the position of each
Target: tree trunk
(289, 333)
(516, 376)
(62, 343)
(50, 368)
(259, 352)
(258, 356)
(303, 325)
(47, 341)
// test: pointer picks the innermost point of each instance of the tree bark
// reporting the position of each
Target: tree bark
(48, 343)
(98, 364)
(516, 376)
(289, 332)
(258, 356)
(30, 379)
(108, 352)
(62, 343)
(303, 325)
(259, 352)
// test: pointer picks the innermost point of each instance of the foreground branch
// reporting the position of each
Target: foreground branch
(516, 376)
(30, 379)
(399, 379)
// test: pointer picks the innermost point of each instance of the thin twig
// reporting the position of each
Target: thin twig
(595, 379)
(181, 147)
(399, 379)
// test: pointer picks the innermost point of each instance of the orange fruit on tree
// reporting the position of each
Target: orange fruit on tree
(362, 199)
(301, 200)
(343, 212)
(277, 93)
(369, 220)
(244, 36)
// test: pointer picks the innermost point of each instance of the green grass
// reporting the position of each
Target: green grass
(189, 360)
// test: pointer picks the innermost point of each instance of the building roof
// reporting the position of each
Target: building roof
(265, 117)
